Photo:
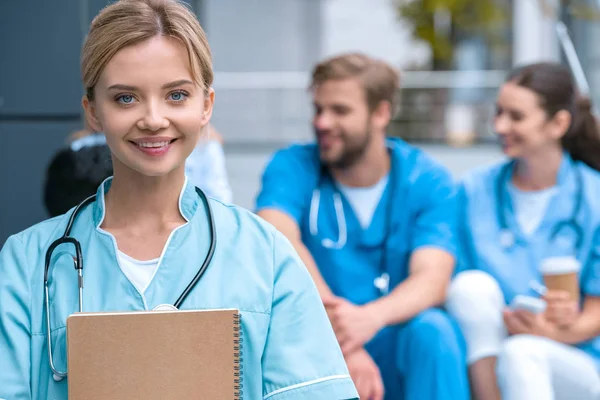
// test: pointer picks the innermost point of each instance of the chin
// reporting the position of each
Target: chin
(511, 152)
(329, 157)
(153, 169)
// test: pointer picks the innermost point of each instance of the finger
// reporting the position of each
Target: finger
(552, 316)
(526, 318)
(350, 346)
(563, 310)
(556, 295)
(362, 386)
(345, 348)
(514, 324)
(332, 301)
(378, 390)
(565, 316)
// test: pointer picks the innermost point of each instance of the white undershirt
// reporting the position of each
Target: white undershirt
(140, 273)
(364, 200)
(530, 207)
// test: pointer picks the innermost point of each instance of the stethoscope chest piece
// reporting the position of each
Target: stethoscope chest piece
(165, 307)
(382, 283)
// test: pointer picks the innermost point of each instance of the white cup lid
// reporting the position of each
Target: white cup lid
(559, 265)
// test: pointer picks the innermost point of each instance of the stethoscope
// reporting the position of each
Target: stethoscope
(78, 261)
(382, 282)
(507, 237)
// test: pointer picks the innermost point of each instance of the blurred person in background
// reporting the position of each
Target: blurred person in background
(540, 205)
(206, 167)
(76, 171)
(373, 220)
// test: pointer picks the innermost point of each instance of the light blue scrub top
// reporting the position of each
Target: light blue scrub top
(290, 351)
(422, 215)
(514, 268)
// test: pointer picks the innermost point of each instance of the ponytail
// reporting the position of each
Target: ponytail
(582, 141)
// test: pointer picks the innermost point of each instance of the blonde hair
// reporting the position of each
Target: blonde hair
(380, 81)
(128, 22)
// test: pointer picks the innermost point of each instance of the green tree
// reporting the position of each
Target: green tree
(437, 22)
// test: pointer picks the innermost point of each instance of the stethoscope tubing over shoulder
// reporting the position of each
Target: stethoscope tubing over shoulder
(507, 237)
(313, 216)
(66, 238)
(382, 282)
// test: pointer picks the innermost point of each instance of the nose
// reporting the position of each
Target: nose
(502, 124)
(322, 121)
(153, 119)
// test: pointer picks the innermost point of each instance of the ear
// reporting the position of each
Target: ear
(382, 115)
(90, 114)
(209, 101)
(560, 123)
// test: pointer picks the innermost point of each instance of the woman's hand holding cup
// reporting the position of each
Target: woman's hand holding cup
(561, 309)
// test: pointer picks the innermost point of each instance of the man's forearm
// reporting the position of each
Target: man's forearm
(285, 224)
(313, 270)
(416, 294)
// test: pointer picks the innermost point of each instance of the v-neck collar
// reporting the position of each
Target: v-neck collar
(565, 185)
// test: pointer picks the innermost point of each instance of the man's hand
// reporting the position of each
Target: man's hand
(561, 310)
(353, 325)
(365, 375)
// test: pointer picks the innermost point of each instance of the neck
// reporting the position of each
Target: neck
(369, 169)
(539, 171)
(136, 202)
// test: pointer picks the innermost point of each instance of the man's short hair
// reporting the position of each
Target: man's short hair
(379, 79)
(74, 175)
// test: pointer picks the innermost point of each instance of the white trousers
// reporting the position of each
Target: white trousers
(528, 367)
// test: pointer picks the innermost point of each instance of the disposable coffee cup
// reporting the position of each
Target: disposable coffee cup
(562, 273)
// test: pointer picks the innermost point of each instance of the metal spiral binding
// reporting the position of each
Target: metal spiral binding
(238, 358)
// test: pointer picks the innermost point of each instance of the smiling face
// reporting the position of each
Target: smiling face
(341, 121)
(149, 106)
(523, 126)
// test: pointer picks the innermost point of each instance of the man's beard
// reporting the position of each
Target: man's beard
(354, 149)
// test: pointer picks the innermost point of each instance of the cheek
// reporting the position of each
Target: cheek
(353, 123)
(530, 132)
(116, 123)
(189, 121)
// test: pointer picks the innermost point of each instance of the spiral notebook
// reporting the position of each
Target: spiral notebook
(155, 355)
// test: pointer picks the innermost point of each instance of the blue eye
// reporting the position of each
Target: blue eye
(125, 99)
(178, 96)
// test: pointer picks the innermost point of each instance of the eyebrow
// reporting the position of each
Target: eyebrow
(169, 85)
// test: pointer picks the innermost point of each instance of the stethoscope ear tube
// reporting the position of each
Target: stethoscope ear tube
(209, 255)
(78, 263)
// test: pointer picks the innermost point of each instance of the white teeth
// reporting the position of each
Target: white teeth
(155, 144)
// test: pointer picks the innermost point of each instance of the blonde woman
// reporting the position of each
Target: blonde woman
(146, 68)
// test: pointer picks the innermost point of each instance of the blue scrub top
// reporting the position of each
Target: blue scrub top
(290, 350)
(514, 268)
(422, 214)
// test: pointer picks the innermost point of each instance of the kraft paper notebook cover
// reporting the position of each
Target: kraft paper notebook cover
(154, 355)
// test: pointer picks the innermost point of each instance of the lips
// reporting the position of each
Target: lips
(154, 146)
(326, 140)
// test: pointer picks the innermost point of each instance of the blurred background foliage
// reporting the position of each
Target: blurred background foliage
(439, 22)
